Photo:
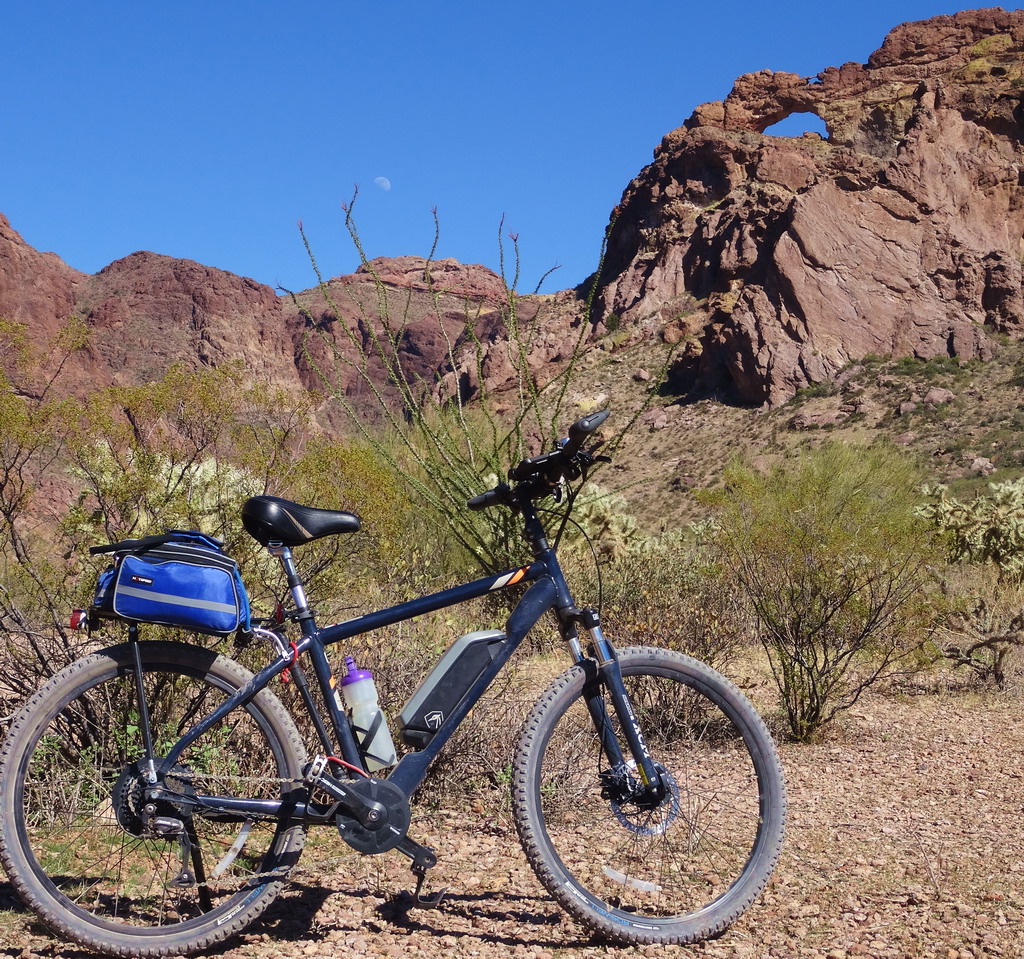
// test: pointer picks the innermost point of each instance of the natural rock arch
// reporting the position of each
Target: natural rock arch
(794, 125)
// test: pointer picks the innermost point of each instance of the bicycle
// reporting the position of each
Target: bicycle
(154, 796)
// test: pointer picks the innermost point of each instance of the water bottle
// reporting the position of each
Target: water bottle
(371, 725)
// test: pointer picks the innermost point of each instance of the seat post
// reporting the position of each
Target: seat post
(284, 555)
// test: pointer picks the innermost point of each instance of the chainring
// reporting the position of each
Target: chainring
(394, 825)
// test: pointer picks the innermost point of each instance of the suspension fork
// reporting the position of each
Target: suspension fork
(607, 677)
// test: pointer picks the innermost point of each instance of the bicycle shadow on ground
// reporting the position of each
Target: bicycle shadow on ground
(498, 918)
(291, 917)
(10, 901)
(12, 906)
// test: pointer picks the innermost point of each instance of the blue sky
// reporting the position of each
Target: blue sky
(206, 130)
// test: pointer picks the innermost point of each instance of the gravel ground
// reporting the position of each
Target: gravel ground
(906, 839)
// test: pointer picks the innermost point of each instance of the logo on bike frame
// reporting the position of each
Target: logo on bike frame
(510, 579)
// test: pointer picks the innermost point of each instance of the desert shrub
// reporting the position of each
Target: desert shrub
(670, 591)
(833, 562)
(447, 431)
(184, 451)
(35, 588)
(981, 629)
(604, 519)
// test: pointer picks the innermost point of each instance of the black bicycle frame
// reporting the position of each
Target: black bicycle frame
(548, 591)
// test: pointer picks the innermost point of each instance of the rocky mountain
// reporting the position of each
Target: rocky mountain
(146, 312)
(771, 262)
(143, 312)
(778, 261)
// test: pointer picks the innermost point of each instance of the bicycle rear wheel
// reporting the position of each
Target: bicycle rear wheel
(77, 836)
(675, 872)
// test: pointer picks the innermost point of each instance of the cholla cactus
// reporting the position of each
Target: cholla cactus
(142, 492)
(987, 529)
(607, 519)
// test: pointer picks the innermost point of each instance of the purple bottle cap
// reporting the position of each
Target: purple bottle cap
(353, 675)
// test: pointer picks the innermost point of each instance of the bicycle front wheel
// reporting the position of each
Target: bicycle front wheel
(676, 871)
(103, 865)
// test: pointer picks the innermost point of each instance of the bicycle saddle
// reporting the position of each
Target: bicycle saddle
(270, 519)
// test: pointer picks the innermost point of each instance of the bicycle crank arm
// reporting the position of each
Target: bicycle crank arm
(423, 858)
(366, 811)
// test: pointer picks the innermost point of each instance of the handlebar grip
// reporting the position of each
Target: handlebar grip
(581, 429)
(493, 497)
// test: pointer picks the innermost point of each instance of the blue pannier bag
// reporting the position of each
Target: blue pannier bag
(182, 579)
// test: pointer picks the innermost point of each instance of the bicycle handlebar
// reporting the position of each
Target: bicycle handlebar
(551, 466)
(581, 429)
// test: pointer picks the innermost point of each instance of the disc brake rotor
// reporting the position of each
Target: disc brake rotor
(644, 821)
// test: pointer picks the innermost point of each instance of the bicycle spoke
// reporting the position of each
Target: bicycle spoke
(110, 856)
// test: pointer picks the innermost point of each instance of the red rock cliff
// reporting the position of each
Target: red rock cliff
(773, 262)
(777, 260)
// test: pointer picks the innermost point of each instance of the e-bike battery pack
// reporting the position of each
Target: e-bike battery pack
(446, 685)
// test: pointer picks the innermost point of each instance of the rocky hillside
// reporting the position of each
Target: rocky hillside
(778, 261)
(770, 263)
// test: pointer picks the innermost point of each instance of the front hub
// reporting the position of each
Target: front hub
(642, 810)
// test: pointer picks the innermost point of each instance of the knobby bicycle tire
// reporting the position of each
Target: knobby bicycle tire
(71, 833)
(684, 870)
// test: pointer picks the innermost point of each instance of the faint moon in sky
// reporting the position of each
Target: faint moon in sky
(383, 182)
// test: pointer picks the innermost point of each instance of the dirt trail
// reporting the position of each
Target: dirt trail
(906, 839)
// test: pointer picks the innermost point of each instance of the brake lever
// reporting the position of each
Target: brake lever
(587, 458)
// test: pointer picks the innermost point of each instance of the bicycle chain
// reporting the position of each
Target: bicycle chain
(281, 872)
(232, 883)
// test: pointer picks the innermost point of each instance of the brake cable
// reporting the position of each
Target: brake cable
(590, 544)
(586, 460)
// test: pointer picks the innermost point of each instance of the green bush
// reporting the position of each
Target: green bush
(669, 592)
(832, 560)
(182, 452)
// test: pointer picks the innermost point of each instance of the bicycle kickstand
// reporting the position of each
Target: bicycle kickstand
(422, 860)
(425, 902)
